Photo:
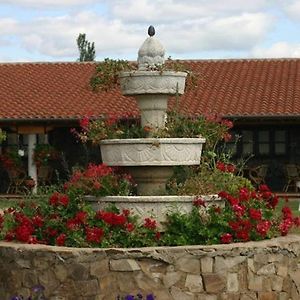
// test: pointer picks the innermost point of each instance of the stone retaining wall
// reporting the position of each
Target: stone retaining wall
(267, 270)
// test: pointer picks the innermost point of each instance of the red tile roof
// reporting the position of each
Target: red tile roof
(254, 87)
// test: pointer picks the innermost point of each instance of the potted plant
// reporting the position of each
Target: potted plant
(44, 154)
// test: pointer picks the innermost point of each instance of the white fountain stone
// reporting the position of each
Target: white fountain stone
(152, 151)
(147, 206)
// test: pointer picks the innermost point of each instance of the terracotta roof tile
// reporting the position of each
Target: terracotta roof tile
(253, 87)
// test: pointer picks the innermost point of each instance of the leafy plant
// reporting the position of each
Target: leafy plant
(44, 154)
(99, 180)
(2, 135)
(250, 215)
(12, 159)
(66, 220)
(107, 73)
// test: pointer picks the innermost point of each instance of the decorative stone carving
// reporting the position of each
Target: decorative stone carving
(152, 152)
(152, 82)
(152, 53)
(145, 206)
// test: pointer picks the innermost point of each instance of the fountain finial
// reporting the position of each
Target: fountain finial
(152, 52)
(151, 30)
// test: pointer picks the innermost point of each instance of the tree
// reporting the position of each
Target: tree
(86, 49)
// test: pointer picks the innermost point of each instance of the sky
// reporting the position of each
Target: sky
(46, 30)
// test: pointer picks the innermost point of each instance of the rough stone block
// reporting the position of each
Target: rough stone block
(267, 296)
(194, 283)
(232, 282)
(87, 287)
(171, 278)
(78, 272)
(124, 265)
(227, 264)
(213, 283)
(282, 270)
(230, 296)
(283, 296)
(99, 268)
(277, 283)
(207, 297)
(248, 296)
(207, 264)
(268, 269)
(178, 294)
(255, 283)
(188, 265)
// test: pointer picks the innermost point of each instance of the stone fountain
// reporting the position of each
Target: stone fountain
(151, 160)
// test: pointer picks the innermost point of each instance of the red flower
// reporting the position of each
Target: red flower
(38, 221)
(263, 227)
(111, 218)
(9, 236)
(217, 209)
(129, 227)
(51, 232)
(23, 233)
(230, 168)
(226, 238)
(157, 235)
(80, 217)
(97, 185)
(243, 235)
(73, 224)
(64, 200)
(264, 188)
(94, 235)
(244, 194)
(227, 123)
(297, 221)
(227, 136)
(126, 212)
(221, 166)
(61, 240)
(84, 122)
(150, 223)
(287, 213)
(53, 200)
(255, 214)
(239, 210)
(199, 202)
(285, 226)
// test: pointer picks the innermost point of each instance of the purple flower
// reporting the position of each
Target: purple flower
(150, 297)
(37, 288)
(17, 298)
(129, 297)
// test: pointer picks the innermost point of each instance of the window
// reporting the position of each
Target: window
(264, 142)
(280, 142)
(247, 142)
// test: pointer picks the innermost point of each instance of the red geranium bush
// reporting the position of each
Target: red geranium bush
(249, 216)
(65, 220)
(100, 180)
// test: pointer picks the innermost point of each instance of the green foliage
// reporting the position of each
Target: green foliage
(44, 154)
(107, 73)
(86, 49)
(207, 181)
(2, 135)
(66, 220)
